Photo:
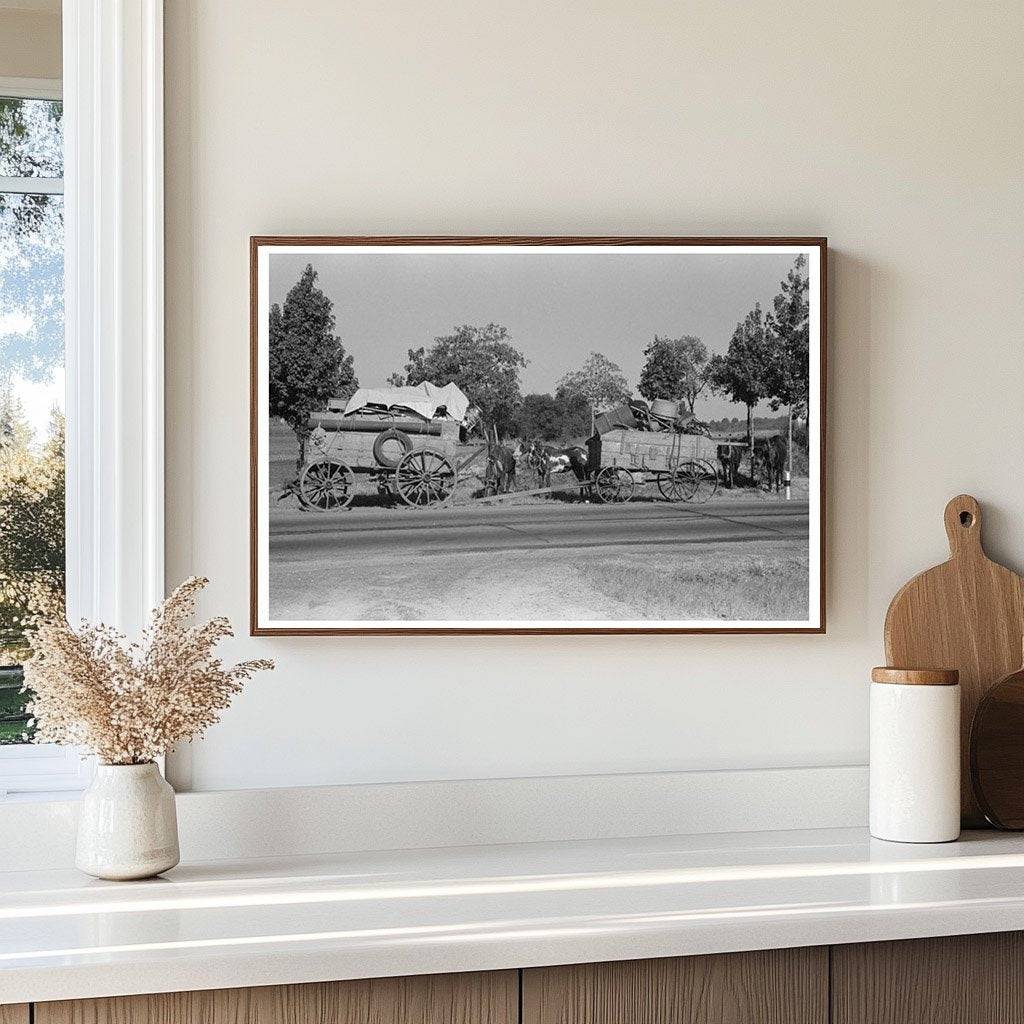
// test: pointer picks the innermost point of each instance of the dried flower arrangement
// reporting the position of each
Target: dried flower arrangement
(129, 703)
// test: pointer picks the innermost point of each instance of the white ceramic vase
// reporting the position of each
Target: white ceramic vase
(127, 825)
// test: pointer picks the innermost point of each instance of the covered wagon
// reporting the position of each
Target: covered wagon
(403, 440)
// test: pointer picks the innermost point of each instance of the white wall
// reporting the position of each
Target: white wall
(30, 39)
(895, 129)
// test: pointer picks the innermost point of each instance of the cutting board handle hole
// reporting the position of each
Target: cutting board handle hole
(966, 519)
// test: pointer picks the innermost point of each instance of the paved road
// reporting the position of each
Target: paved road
(482, 528)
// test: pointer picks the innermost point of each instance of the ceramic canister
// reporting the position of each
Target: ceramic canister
(915, 755)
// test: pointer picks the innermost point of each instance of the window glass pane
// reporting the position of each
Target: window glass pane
(31, 138)
(31, 399)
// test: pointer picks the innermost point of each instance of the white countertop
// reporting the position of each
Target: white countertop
(261, 922)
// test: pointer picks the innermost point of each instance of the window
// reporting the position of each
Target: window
(32, 548)
(86, 180)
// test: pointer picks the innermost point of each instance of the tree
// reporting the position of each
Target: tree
(16, 434)
(577, 418)
(482, 361)
(742, 373)
(31, 145)
(549, 418)
(675, 369)
(32, 542)
(308, 363)
(539, 416)
(599, 381)
(788, 325)
(789, 330)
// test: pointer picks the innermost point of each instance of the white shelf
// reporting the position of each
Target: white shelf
(351, 915)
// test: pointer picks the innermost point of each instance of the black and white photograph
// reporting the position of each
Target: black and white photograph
(537, 435)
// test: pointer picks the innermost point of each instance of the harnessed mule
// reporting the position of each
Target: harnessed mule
(500, 477)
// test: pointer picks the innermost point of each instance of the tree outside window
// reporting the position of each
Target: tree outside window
(31, 386)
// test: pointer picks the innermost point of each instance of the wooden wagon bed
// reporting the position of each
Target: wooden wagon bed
(421, 468)
(684, 466)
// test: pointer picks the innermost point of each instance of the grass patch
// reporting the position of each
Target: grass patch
(13, 720)
(13, 732)
(716, 584)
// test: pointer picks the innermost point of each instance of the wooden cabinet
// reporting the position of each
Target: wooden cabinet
(490, 998)
(777, 986)
(963, 979)
(971, 979)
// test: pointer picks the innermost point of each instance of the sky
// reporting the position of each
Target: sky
(38, 400)
(557, 307)
(31, 335)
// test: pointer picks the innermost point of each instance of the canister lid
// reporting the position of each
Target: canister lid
(916, 676)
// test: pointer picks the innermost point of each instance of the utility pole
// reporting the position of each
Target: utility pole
(789, 452)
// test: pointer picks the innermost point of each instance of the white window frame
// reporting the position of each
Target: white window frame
(45, 767)
(114, 325)
(32, 88)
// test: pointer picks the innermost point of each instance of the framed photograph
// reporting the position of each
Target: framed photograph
(537, 435)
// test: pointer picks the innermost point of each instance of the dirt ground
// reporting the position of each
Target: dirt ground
(724, 582)
(732, 560)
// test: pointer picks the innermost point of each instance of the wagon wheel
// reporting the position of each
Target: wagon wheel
(614, 484)
(709, 481)
(677, 485)
(702, 480)
(327, 485)
(424, 477)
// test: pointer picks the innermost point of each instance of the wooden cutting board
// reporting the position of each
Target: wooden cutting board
(967, 614)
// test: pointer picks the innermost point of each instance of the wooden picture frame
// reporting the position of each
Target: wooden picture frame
(318, 574)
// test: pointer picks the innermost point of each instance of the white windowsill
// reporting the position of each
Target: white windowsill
(42, 771)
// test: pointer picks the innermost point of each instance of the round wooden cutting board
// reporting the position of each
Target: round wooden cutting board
(967, 614)
(997, 752)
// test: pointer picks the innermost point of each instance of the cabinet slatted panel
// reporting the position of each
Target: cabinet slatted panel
(479, 998)
(964, 979)
(780, 986)
(14, 1013)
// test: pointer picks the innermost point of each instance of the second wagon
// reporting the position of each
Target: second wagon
(682, 465)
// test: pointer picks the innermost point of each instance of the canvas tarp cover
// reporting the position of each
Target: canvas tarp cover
(423, 399)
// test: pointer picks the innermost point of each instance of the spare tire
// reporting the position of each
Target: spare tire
(384, 448)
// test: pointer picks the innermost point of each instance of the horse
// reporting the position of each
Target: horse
(729, 456)
(771, 452)
(546, 460)
(500, 475)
